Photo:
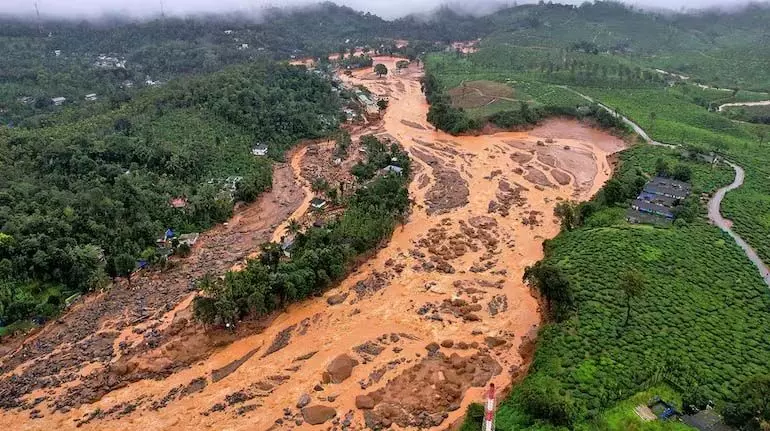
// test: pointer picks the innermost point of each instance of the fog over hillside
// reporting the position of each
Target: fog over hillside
(386, 9)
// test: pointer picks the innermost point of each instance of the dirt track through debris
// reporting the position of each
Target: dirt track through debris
(440, 310)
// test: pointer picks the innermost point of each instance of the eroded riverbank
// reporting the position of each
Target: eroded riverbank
(441, 310)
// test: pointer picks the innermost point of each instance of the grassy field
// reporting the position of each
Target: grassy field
(701, 323)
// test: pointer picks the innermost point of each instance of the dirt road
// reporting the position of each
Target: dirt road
(411, 337)
(728, 105)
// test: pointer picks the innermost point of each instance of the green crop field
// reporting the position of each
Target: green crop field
(701, 323)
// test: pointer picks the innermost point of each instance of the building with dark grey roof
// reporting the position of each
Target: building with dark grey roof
(651, 208)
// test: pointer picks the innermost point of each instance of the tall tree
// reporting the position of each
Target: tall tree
(553, 285)
(632, 282)
(380, 69)
(124, 266)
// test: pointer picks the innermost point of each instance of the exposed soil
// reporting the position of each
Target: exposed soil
(410, 338)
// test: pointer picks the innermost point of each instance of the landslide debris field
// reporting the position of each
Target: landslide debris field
(409, 339)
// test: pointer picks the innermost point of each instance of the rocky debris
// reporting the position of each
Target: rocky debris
(238, 397)
(533, 218)
(412, 124)
(221, 373)
(196, 385)
(447, 344)
(449, 190)
(303, 401)
(369, 348)
(305, 357)
(336, 299)
(280, 341)
(339, 369)
(498, 304)
(242, 410)
(318, 414)
(170, 396)
(521, 158)
(482, 222)
(460, 308)
(493, 342)
(561, 177)
(371, 285)
(537, 177)
(507, 197)
(422, 181)
(422, 395)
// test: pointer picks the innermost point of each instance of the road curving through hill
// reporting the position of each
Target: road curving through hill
(715, 203)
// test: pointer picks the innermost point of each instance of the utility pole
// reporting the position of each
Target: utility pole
(162, 11)
(489, 409)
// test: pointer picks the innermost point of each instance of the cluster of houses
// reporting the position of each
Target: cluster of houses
(168, 243)
(661, 410)
(108, 62)
(657, 201)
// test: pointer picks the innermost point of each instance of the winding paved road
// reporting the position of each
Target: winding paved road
(715, 216)
(715, 203)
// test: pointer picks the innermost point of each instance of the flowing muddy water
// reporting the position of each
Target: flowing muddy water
(450, 275)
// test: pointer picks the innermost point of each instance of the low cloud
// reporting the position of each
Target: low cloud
(389, 9)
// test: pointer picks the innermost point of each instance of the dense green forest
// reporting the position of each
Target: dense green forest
(110, 58)
(113, 58)
(320, 255)
(88, 193)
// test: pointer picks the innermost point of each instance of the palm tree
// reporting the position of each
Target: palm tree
(293, 227)
(271, 254)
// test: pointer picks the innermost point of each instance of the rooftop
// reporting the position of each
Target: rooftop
(666, 190)
(649, 207)
(669, 182)
(393, 168)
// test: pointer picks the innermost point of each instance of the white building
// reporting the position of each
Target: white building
(57, 52)
(91, 97)
(58, 101)
(259, 150)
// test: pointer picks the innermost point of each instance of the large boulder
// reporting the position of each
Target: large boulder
(364, 402)
(318, 414)
(339, 369)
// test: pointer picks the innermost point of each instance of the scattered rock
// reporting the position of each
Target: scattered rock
(336, 299)
(339, 369)
(493, 342)
(303, 401)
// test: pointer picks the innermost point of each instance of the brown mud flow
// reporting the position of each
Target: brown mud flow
(408, 340)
